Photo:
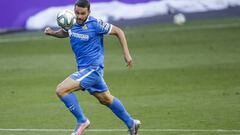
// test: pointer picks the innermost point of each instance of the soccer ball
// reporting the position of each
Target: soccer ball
(66, 19)
(179, 19)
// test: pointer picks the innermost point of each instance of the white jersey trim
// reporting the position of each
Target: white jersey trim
(110, 30)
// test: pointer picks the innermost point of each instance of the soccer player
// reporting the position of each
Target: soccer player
(86, 38)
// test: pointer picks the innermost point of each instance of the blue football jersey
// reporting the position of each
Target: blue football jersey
(87, 42)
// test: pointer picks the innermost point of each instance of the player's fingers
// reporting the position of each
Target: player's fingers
(47, 30)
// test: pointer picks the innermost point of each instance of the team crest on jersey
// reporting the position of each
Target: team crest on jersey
(84, 27)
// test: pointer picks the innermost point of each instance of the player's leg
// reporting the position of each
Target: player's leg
(117, 108)
(82, 79)
(96, 86)
(65, 92)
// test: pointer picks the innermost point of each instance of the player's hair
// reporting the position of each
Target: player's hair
(83, 4)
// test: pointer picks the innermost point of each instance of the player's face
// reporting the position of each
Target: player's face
(81, 14)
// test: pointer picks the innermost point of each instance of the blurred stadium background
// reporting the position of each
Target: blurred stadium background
(31, 15)
(185, 80)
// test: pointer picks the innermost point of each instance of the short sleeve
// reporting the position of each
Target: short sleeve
(103, 28)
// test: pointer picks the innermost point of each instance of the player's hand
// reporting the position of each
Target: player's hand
(48, 31)
(128, 60)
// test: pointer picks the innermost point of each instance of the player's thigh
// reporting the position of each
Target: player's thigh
(67, 86)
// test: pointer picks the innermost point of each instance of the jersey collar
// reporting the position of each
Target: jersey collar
(87, 19)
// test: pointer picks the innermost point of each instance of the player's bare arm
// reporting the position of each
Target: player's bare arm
(123, 42)
(60, 33)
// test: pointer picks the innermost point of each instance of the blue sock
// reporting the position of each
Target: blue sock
(119, 110)
(73, 106)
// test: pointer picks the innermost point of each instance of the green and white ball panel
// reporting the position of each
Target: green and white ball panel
(66, 19)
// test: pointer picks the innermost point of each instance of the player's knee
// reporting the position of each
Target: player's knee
(105, 101)
(60, 91)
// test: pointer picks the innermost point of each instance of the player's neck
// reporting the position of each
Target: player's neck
(84, 22)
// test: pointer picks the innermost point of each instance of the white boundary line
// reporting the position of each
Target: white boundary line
(210, 26)
(120, 130)
(22, 39)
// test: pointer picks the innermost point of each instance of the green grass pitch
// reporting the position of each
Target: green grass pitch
(184, 77)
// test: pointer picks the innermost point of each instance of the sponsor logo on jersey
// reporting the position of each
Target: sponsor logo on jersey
(83, 37)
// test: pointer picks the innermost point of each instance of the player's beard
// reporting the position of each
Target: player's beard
(81, 22)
